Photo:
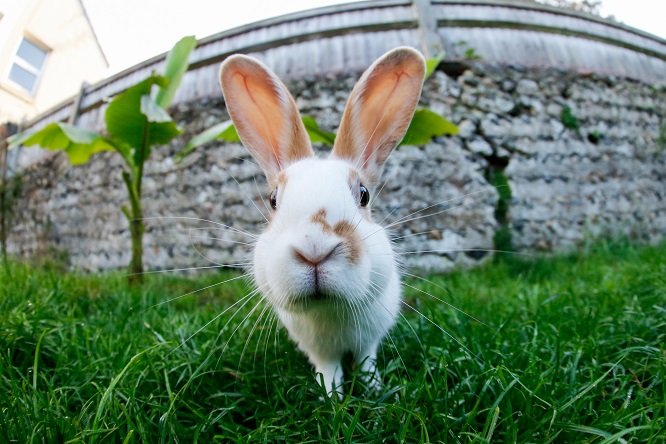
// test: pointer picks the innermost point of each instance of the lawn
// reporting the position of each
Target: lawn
(563, 349)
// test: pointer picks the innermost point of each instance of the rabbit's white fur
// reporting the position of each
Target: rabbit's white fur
(326, 268)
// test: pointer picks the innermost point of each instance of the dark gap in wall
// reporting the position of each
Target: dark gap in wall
(595, 137)
(496, 177)
(476, 254)
(453, 69)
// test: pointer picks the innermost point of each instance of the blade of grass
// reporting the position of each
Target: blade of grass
(591, 386)
(106, 397)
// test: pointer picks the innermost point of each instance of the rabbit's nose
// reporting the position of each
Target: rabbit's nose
(314, 257)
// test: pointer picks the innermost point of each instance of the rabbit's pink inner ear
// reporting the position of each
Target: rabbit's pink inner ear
(264, 113)
(380, 109)
(388, 107)
(252, 102)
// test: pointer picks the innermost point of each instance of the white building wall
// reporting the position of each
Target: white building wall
(74, 55)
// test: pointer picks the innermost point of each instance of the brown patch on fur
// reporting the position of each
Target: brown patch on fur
(343, 229)
(320, 218)
(282, 179)
(350, 239)
(353, 179)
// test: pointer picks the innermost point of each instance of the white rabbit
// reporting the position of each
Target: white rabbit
(326, 268)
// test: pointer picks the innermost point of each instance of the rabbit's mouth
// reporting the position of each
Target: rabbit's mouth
(319, 296)
(316, 295)
(312, 299)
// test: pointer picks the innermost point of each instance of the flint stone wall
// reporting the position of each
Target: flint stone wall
(568, 185)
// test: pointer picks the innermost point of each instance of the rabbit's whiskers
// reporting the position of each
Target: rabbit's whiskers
(262, 314)
(204, 236)
(265, 327)
(439, 327)
(465, 250)
(199, 290)
(245, 298)
(410, 218)
(197, 219)
(174, 270)
(439, 299)
(246, 244)
(395, 351)
(240, 324)
(247, 195)
(200, 253)
(321, 240)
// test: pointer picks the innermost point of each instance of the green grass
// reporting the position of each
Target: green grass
(573, 350)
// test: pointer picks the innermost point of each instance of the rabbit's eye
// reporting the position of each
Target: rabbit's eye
(273, 199)
(364, 196)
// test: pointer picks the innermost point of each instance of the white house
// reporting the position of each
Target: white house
(47, 50)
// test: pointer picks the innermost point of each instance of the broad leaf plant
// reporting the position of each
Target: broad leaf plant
(136, 120)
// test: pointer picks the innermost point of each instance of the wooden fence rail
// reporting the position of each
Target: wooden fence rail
(341, 38)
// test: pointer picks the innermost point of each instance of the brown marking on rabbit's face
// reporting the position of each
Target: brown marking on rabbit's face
(343, 229)
(320, 218)
(350, 240)
(282, 179)
(353, 179)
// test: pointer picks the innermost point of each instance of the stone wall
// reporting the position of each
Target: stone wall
(600, 172)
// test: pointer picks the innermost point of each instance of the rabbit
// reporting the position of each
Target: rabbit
(326, 268)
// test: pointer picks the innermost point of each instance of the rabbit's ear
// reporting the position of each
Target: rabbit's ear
(264, 113)
(379, 110)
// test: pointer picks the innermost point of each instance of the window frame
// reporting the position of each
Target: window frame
(24, 64)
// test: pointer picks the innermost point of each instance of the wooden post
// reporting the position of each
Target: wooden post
(76, 106)
(431, 42)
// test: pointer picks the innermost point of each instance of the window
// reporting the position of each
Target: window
(27, 65)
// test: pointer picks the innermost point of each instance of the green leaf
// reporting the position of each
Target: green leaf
(134, 119)
(315, 133)
(425, 125)
(124, 150)
(222, 131)
(432, 64)
(17, 139)
(79, 144)
(175, 68)
(227, 131)
(152, 111)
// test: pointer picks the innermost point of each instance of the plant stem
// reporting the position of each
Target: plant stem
(137, 227)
